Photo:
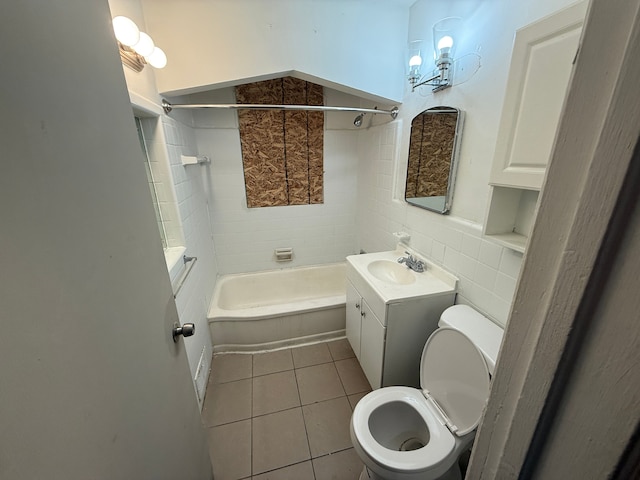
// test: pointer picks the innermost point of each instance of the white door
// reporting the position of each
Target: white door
(91, 383)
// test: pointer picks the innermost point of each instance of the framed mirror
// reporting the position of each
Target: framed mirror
(433, 155)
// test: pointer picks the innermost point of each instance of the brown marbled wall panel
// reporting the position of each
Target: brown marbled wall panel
(295, 135)
(282, 151)
(315, 134)
(262, 142)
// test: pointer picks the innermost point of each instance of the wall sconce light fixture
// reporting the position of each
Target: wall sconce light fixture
(136, 47)
(445, 37)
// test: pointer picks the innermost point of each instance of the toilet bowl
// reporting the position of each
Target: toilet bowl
(404, 433)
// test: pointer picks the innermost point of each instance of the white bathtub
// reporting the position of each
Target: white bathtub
(278, 308)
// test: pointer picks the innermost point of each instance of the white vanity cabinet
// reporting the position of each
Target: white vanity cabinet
(388, 325)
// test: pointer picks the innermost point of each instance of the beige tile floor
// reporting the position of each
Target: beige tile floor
(284, 414)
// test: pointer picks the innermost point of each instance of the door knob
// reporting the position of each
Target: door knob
(185, 330)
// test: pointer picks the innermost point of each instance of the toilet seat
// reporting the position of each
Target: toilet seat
(454, 374)
(436, 454)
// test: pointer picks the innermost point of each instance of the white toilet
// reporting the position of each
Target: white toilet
(403, 433)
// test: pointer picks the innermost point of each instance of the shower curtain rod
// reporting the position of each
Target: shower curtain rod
(250, 106)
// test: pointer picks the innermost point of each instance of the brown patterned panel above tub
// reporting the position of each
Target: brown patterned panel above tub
(315, 122)
(296, 141)
(282, 151)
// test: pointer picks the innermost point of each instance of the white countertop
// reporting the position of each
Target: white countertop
(434, 280)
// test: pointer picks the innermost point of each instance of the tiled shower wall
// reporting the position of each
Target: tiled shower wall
(191, 184)
(487, 272)
(245, 238)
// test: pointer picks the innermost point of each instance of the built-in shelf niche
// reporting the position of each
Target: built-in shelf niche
(511, 214)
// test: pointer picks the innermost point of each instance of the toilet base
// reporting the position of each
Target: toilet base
(452, 474)
(367, 474)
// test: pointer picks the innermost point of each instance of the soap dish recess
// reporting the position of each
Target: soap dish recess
(284, 254)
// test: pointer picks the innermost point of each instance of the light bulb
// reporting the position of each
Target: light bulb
(445, 42)
(126, 31)
(157, 59)
(415, 61)
(145, 46)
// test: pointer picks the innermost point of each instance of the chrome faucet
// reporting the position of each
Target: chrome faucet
(412, 262)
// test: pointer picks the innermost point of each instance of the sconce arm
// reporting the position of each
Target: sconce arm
(425, 82)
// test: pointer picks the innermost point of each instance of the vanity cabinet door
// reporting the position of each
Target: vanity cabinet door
(372, 346)
(353, 306)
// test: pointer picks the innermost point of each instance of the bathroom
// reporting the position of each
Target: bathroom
(363, 182)
(206, 215)
(363, 167)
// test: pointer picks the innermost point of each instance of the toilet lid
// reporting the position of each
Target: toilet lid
(454, 373)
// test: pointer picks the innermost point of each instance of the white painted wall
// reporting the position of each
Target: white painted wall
(355, 45)
(245, 238)
(184, 193)
(488, 272)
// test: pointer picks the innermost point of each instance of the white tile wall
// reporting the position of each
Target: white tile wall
(490, 254)
(488, 272)
(246, 238)
(192, 191)
(470, 246)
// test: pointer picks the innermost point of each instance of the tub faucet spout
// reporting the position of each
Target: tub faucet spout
(412, 263)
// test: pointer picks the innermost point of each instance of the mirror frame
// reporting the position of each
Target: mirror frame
(455, 153)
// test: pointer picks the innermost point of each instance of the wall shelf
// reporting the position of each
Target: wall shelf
(511, 214)
(514, 241)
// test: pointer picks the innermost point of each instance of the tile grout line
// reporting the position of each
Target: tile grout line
(306, 432)
(342, 383)
(286, 466)
(333, 453)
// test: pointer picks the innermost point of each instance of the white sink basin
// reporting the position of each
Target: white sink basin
(391, 282)
(391, 272)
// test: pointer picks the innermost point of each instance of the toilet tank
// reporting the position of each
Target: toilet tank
(486, 335)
